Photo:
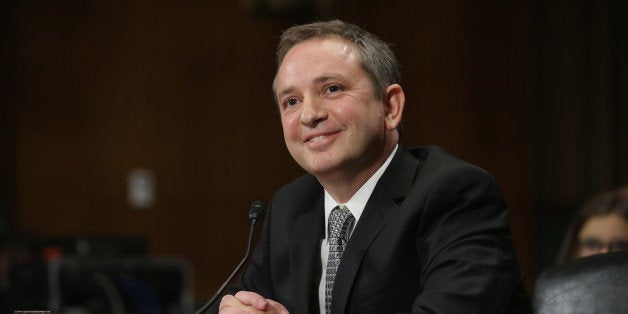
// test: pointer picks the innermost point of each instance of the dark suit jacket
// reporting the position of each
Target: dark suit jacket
(433, 237)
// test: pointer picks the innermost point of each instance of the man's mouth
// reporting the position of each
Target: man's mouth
(317, 138)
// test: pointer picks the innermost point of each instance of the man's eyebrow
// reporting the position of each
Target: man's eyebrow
(285, 91)
(318, 80)
(327, 77)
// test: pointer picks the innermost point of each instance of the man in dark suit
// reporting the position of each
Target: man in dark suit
(373, 227)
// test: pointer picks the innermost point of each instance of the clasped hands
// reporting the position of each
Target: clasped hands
(249, 302)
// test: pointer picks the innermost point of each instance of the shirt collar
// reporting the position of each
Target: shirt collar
(358, 201)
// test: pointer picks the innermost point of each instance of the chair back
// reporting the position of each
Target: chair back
(593, 284)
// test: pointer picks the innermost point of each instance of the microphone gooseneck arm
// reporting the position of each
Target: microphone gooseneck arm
(255, 214)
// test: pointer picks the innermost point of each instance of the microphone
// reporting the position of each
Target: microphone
(256, 213)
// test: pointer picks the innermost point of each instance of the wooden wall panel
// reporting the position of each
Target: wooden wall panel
(183, 89)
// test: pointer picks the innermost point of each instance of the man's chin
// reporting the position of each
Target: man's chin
(322, 171)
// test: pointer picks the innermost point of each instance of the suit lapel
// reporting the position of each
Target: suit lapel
(389, 192)
(307, 233)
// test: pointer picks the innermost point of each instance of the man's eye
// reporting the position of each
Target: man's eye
(333, 89)
(291, 102)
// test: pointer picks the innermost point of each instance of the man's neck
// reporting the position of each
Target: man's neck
(341, 186)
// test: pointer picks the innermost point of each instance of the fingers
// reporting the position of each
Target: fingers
(252, 299)
(229, 303)
(278, 307)
(250, 302)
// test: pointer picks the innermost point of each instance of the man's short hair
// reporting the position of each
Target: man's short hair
(376, 57)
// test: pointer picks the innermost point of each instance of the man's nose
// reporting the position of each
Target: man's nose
(312, 111)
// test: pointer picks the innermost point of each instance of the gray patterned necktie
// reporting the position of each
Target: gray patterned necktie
(340, 226)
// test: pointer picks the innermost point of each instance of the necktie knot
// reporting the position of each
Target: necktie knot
(341, 223)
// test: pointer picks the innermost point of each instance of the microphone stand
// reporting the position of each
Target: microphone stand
(235, 271)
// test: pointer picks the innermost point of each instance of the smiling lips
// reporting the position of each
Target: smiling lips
(318, 138)
(321, 137)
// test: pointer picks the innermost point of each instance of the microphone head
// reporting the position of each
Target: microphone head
(257, 211)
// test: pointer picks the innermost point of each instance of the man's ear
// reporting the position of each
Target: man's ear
(394, 100)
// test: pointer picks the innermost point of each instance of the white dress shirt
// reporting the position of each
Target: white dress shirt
(355, 205)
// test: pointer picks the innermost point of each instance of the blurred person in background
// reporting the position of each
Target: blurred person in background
(600, 226)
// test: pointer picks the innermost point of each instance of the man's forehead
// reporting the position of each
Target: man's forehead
(318, 53)
(332, 43)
